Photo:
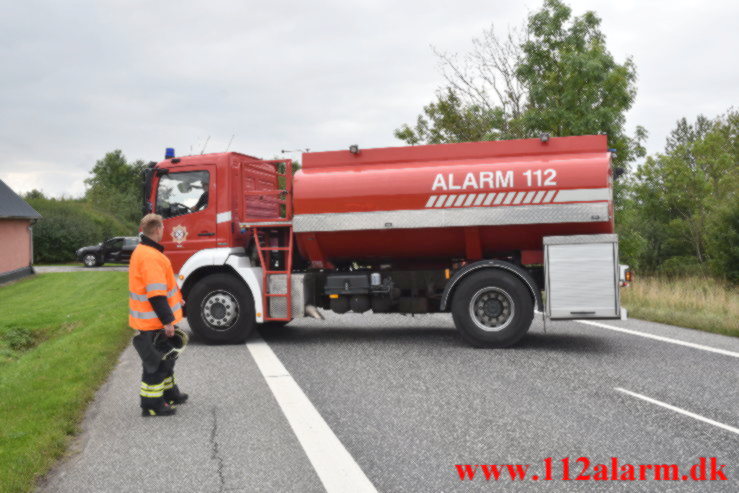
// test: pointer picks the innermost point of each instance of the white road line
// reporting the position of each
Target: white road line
(336, 468)
(661, 338)
(679, 410)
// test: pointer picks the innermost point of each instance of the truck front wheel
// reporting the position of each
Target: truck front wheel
(492, 308)
(220, 309)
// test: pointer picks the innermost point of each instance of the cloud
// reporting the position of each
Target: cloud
(83, 78)
(46, 179)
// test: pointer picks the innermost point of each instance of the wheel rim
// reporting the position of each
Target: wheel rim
(90, 260)
(492, 309)
(220, 310)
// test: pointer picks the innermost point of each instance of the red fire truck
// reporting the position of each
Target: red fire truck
(478, 229)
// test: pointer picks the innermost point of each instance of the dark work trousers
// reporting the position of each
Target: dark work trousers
(157, 379)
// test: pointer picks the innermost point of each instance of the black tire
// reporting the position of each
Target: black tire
(91, 260)
(492, 308)
(220, 309)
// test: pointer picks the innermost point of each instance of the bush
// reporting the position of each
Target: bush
(723, 242)
(68, 224)
(19, 338)
(681, 267)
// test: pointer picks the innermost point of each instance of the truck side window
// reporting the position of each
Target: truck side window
(182, 193)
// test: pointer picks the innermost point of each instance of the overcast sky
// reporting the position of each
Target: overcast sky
(82, 78)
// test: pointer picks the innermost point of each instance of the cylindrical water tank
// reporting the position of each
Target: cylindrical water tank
(432, 203)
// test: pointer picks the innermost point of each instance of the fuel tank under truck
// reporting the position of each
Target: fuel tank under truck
(431, 203)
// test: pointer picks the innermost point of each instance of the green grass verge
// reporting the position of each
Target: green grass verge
(697, 303)
(60, 335)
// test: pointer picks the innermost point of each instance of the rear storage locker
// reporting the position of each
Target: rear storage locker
(582, 276)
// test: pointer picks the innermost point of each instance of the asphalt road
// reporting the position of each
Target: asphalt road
(408, 400)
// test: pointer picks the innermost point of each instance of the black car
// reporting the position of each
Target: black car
(116, 249)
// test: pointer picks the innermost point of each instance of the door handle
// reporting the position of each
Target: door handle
(206, 234)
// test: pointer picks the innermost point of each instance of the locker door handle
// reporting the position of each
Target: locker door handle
(206, 234)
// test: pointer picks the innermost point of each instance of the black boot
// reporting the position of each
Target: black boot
(156, 407)
(174, 396)
(172, 392)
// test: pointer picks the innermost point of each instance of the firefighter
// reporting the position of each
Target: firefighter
(155, 305)
(202, 202)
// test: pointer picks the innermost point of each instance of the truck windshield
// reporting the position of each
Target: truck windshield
(182, 193)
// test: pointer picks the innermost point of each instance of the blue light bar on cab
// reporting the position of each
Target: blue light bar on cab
(169, 153)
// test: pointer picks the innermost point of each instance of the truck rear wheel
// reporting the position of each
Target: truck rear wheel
(220, 309)
(492, 308)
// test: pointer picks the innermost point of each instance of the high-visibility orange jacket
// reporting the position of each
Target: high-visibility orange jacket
(150, 274)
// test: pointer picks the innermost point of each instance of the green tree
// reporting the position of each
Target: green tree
(115, 186)
(685, 134)
(722, 241)
(33, 194)
(573, 83)
(483, 98)
(448, 120)
(555, 76)
(684, 201)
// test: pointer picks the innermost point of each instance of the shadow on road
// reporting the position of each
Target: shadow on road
(315, 335)
(569, 343)
(445, 337)
(437, 336)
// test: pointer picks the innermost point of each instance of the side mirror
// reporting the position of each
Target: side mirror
(618, 172)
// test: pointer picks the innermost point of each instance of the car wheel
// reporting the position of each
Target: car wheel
(90, 260)
(220, 309)
(492, 308)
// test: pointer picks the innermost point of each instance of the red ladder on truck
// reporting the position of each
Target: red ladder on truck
(273, 238)
(266, 234)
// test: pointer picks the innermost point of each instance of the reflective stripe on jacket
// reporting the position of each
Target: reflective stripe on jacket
(150, 274)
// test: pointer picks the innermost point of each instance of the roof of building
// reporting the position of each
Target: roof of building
(12, 206)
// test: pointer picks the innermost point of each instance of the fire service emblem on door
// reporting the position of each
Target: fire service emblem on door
(179, 234)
